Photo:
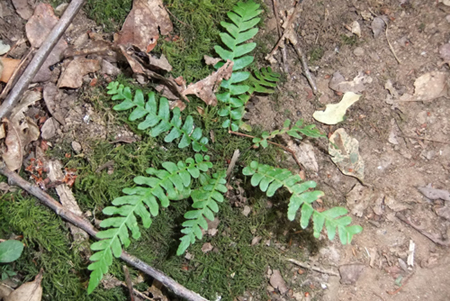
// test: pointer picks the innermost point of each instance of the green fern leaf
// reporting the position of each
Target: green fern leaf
(270, 179)
(163, 185)
(264, 81)
(158, 120)
(205, 202)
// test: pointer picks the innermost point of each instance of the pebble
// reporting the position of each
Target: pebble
(359, 51)
(76, 147)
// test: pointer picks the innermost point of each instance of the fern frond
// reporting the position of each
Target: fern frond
(270, 179)
(170, 183)
(157, 119)
(264, 81)
(294, 131)
(244, 17)
(205, 204)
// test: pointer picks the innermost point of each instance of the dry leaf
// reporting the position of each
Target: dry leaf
(356, 28)
(48, 130)
(430, 86)
(9, 66)
(210, 60)
(207, 247)
(434, 194)
(345, 154)
(334, 113)
(72, 76)
(379, 25)
(37, 29)
(339, 84)
(305, 154)
(23, 9)
(14, 155)
(30, 291)
(161, 63)
(278, 282)
(4, 48)
(144, 22)
(205, 89)
(350, 273)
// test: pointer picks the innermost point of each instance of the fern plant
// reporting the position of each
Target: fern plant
(295, 131)
(270, 179)
(158, 121)
(171, 183)
(263, 81)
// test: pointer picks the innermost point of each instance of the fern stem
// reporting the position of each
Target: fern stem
(273, 143)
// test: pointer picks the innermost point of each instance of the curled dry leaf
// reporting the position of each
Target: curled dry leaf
(344, 151)
(144, 22)
(14, 155)
(30, 291)
(205, 89)
(8, 67)
(37, 29)
(72, 76)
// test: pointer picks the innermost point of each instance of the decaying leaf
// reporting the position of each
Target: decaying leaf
(23, 8)
(379, 25)
(356, 28)
(161, 63)
(72, 76)
(344, 151)
(277, 281)
(428, 87)
(334, 113)
(14, 155)
(207, 247)
(37, 29)
(4, 48)
(30, 291)
(210, 60)
(357, 85)
(205, 89)
(8, 67)
(144, 22)
(434, 194)
(305, 155)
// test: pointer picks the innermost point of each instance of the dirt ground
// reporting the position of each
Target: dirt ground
(403, 144)
(394, 167)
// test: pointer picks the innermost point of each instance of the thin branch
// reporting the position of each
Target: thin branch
(233, 161)
(273, 143)
(280, 34)
(37, 61)
(80, 222)
(311, 267)
(304, 61)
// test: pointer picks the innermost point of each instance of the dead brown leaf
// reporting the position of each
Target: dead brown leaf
(9, 66)
(14, 155)
(210, 60)
(205, 89)
(72, 76)
(144, 22)
(207, 247)
(277, 281)
(30, 291)
(37, 29)
(23, 8)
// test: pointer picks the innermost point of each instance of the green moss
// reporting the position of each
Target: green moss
(110, 14)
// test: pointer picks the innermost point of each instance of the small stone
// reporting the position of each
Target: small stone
(76, 147)
(359, 51)
(109, 68)
(61, 9)
(246, 210)
(48, 130)
(350, 273)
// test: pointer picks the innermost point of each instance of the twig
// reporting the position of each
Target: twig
(304, 61)
(80, 222)
(280, 34)
(37, 61)
(288, 25)
(235, 157)
(12, 81)
(437, 241)
(403, 284)
(311, 267)
(273, 143)
(424, 139)
(128, 282)
(389, 43)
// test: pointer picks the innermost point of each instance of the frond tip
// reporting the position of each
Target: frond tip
(270, 179)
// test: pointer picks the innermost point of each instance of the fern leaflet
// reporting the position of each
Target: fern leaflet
(264, 81)
(205, 204)
(294, 131)
(270, 179)
(157, 120)
(170, 183)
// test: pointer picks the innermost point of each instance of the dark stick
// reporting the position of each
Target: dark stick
(280, 34)
(304, 61)
(37, 61)
(437, 241)
(80, 222)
